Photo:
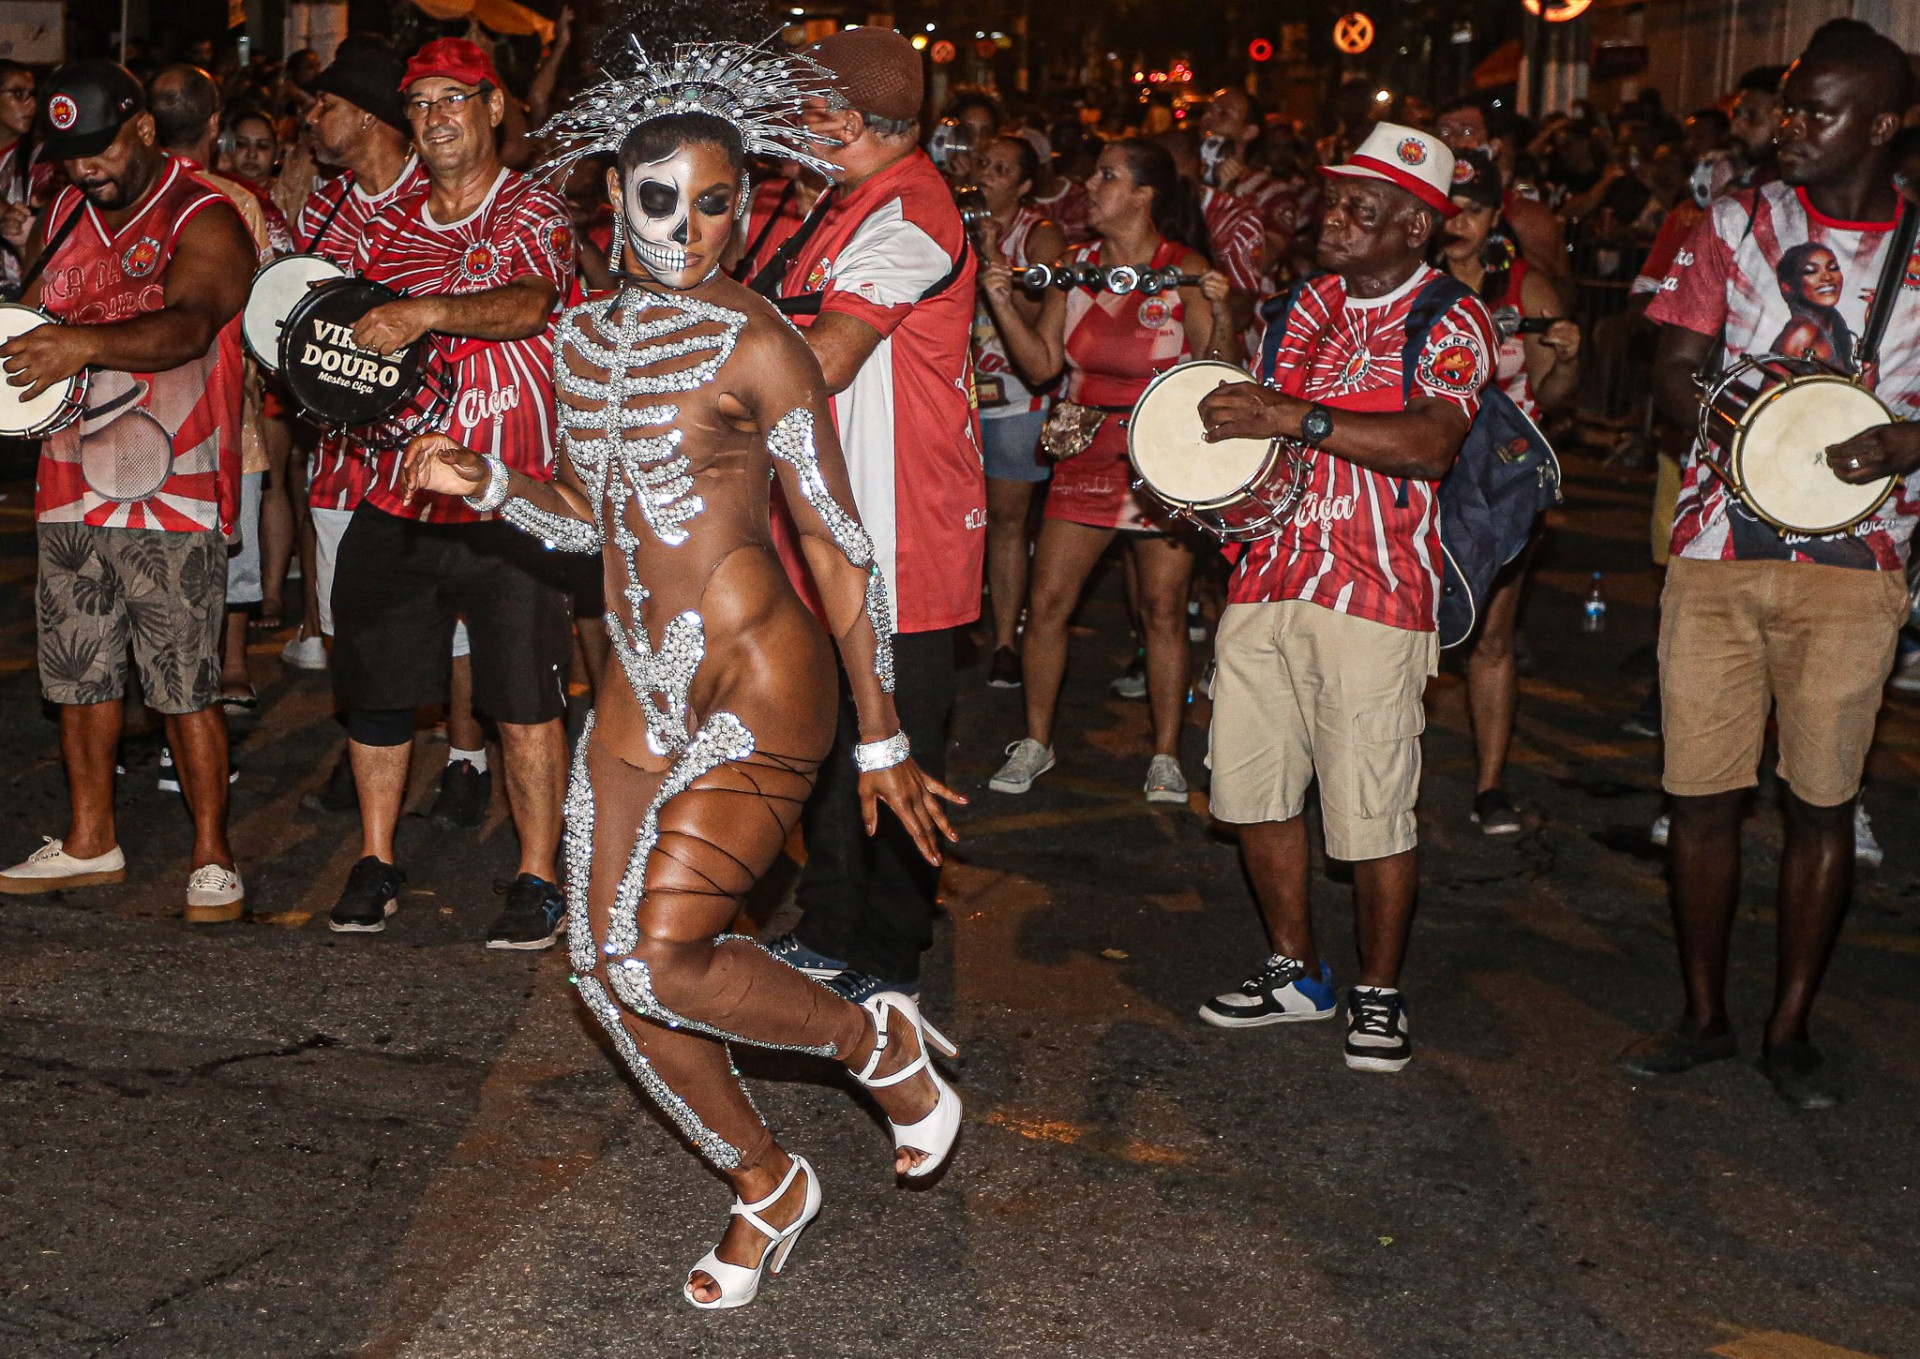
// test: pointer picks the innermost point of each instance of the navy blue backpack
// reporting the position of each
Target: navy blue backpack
(1505, 477)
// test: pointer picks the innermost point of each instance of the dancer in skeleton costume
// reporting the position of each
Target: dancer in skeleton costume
(682, 395)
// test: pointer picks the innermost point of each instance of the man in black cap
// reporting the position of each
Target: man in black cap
(135, 499)
(356, 123)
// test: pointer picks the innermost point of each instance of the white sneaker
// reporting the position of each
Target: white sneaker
(1165, 782)
(1027, 761)
(50, 868)
(1906, 673)
(1866, 850)
(1657, 832)
(305, 653)
(214, 895)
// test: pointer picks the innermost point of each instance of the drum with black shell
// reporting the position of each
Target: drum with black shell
(382, 399)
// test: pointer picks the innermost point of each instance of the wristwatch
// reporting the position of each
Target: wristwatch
(1316, 426)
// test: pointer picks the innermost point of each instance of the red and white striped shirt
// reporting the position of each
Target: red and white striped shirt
(151, 450)
(505, 407)
(1359, 542)
(341, 474)
(1239, 242)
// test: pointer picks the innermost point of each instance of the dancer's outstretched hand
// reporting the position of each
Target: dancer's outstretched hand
(433, 462)
(915, 798)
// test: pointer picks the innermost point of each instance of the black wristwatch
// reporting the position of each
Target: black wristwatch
(1316, 426)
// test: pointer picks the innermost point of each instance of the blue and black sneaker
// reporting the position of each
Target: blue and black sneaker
(789, 950)
(532, 916)
(1281, 992)
(860, 987)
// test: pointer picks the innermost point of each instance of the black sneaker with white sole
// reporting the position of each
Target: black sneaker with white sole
(371, 895)
(532, 916)
(1377, 1029)
(339, 793)
(169, 780)
(1281, 992)
(465, 795)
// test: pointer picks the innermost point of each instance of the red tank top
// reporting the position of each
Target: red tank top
(1119, 342)
(150, 450)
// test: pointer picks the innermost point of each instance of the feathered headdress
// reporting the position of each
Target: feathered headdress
(755, 87)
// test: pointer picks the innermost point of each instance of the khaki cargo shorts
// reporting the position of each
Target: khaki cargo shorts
(1813, 643)
(1304, 692)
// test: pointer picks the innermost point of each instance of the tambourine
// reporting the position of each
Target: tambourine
(381, 399)
(277, 288)
(55, 408)
(1110, 278)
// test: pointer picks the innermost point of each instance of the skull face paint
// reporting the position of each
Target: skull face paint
(679, 212)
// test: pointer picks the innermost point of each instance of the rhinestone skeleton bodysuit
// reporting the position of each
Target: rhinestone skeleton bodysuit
(660, 843)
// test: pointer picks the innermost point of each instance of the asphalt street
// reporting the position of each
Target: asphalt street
(264, 1139)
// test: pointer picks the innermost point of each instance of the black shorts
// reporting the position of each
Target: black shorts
(397, 589)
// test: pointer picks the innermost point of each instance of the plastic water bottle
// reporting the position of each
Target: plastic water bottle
(1594, 616)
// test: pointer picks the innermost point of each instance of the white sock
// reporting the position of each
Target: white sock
(476, 758)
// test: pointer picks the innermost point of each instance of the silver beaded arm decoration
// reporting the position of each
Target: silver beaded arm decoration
(870, 757)
(555, 530)
(791, 441)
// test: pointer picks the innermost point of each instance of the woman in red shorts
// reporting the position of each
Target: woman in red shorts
(1111, 346)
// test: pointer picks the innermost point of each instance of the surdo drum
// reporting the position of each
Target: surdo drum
(1239, 490)
(1765, 425)
(53, 409)
(385, 399)
(276, 290)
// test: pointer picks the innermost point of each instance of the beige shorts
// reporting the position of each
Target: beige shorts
(1813, 643)
(1304, 692)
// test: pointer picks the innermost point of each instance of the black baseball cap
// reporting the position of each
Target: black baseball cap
(87, 103)
(367, 73)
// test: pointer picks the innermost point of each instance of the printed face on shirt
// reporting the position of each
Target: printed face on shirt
(679, 212)
(454, 135)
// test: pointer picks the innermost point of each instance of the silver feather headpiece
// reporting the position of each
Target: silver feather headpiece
(756, 88)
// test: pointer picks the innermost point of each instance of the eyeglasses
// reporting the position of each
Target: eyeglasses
(419, 109)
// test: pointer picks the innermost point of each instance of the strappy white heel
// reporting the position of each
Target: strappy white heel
(934, 1134)
(738, 1283)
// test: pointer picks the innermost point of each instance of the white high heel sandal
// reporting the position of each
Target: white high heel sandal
(934, 1134)
(739, 1284)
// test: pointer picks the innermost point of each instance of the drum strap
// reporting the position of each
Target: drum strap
(1887, 291)
(54, 242)
(773, 220)
(332, 213)
(774, 272)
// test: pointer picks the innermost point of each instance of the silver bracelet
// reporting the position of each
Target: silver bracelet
(495, 493)
(870, 757)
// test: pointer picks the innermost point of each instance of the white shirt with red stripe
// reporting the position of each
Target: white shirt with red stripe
(341, 473)
(907, 420)
(150, 450)
(1360, 542)
(505, 403)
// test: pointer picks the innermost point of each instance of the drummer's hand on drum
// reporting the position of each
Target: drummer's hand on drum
(1884, 451)
(392, 326)
(45, 356)
(915, 797)
(1249, 410)
(433, 462)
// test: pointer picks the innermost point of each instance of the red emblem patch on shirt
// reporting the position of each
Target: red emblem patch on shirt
(479, 262)
(141, 257)
(1413, 151)
(1913, 270)
(62, 112)
(556, 238)
(1155, 312)
(1455, 365)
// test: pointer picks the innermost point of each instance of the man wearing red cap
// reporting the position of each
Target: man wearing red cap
(482, 255)
(1329, 637)
(883, 279)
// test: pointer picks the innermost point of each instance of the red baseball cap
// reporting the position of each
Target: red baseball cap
(451, 59)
